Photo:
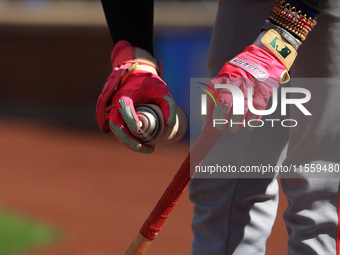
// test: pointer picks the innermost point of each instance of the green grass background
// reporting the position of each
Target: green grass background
(19, 234)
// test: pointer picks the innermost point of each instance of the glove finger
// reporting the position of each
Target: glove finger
(147, 148)
(236, 122)
(226, 95)
(158, 92)
(121, 131)
(169, 109)
(252, 120)
(128, 112)
(207, 117)
(221, 113)
(227, 102)
(216, 110)
(260, 102)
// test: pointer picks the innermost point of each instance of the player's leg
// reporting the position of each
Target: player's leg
(232, 216)
(312, 217)
(235, 216)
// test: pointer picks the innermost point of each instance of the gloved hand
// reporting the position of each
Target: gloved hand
(262, 66)
(135, 79)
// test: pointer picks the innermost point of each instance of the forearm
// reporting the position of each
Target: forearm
(287, 27)
(297, 17)
(131, 21)
(314, 5)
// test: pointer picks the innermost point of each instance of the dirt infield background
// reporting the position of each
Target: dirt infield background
(94, 191)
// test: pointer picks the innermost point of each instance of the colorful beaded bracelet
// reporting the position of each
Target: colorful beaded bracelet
(295, 21)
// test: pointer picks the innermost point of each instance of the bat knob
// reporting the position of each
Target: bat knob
(153, 130)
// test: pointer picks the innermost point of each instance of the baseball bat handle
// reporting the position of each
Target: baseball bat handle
(170, 197)
(139, 246)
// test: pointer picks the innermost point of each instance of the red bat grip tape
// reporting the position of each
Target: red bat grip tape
(170, 197)
(160, 213)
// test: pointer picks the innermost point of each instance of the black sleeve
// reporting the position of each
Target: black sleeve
(314, 5)
(131, 21)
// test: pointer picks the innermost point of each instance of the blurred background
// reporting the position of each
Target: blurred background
(55, 55)
(66, 188)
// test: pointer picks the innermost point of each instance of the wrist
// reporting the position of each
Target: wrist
(130, 59)
(296, 43)
(274, 43)
(299, 22)
(144, 61)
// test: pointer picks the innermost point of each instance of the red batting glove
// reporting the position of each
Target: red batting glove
(262, 66)
(134, 80)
